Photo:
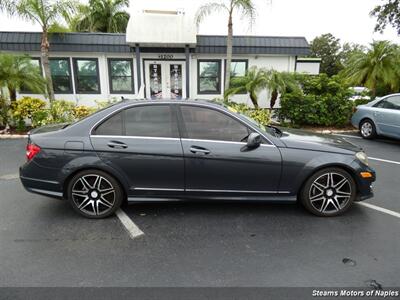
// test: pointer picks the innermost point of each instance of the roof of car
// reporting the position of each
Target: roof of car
(183, 101)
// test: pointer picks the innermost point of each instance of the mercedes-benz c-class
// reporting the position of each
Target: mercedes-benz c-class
(144, 150)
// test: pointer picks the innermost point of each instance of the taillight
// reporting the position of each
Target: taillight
(31, 151)
(354, 110)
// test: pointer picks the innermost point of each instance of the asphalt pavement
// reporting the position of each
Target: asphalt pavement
(43, 243)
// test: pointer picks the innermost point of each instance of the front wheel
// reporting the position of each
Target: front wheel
(94, 194)
(329, 192)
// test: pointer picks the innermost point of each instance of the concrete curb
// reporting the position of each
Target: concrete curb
(334, 131)
(12, 136)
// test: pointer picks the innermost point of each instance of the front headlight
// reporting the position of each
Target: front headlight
(361, 156)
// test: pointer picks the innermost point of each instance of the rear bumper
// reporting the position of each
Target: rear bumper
(40, 186)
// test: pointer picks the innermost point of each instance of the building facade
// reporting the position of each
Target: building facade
(149, 62)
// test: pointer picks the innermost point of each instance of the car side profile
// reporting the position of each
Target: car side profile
(190, 150)
(379, 117)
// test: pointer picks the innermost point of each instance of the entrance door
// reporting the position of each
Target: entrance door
(164, 80)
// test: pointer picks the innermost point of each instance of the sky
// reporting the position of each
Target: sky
(348, 20)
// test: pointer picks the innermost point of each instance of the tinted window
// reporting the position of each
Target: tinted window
(121, 78)
(390, 103)
(61, 75)
(26, 90)
(209, 124)
(209, 77)
(238, 68)
(112, 126)
(87, 76)
(151, 121)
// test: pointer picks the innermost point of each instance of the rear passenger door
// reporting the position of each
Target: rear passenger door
(142, 142)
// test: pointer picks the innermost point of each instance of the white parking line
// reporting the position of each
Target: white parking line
(9, 176)
(385, 160)
(131, 227)
(381, 209)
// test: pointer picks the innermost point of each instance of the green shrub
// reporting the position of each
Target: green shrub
(26, 108)
(4, 111)
(61, 111)
(358, 102)
(106, 103)
(82, 111)
(261, 115)
(322, 101)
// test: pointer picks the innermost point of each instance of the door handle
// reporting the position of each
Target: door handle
(117, 145)
(195, 149)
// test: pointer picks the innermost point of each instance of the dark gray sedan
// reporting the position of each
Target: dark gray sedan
(190, 150)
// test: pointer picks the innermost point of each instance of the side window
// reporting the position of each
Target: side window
(208, 124)
(389, 103)
(111, 126)
(151, 121)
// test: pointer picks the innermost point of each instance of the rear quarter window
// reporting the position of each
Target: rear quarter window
(111, 126)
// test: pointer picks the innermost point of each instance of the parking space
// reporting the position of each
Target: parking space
(44, 243)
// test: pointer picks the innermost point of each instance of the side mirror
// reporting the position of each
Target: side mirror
(254, 140)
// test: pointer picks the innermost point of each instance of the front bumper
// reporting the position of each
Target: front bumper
(365, 185)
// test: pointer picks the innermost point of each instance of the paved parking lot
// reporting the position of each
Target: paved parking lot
(44, 243)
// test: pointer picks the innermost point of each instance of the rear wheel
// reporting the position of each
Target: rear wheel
(94, 194)
(329, 192)
(367, 129)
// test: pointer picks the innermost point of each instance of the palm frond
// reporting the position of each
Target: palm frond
(246, 9)
(209, 8)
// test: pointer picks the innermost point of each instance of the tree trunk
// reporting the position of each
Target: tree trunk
(373, 90)
(274, 97)
(44, 48)
(254, 100)
(229, 43)
(13, 94)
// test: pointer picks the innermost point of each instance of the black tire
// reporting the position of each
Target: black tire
(320, 197)
(94, 199)
(367, 129)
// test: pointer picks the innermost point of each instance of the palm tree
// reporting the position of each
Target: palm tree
(17, 71)
(278, 83)
(45, 13)
(252, 83)
(101, 16)
(377, 66)
(245, 7)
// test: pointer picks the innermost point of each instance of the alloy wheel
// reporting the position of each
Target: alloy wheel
(330, 192)
(93, 195)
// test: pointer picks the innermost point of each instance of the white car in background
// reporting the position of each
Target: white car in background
(360, 93)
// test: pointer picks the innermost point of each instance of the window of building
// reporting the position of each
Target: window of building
(392, 102)
(120, 75)
(87, 76)
(151, 121)
(35, 61)
(238, 69)
(209, 76)
(208, 124)
(61, 75)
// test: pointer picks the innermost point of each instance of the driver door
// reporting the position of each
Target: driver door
(217, 161)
